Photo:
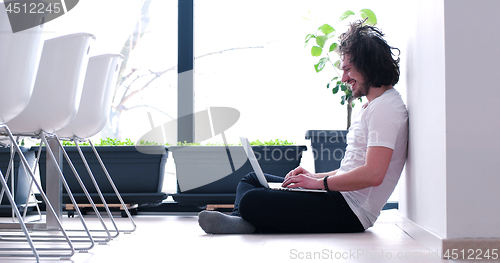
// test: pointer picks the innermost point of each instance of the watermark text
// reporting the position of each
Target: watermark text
(361, 254)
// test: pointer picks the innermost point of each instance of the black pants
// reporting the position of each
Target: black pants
(274, 211)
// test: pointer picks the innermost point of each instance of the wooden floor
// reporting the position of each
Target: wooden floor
(178, 238)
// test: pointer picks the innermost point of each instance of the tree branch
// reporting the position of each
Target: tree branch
(148, 106)
(158, 74)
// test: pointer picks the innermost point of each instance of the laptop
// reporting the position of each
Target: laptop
(260, 174)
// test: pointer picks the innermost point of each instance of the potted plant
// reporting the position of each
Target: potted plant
(329, 145)
(209, 174)
(138, 176)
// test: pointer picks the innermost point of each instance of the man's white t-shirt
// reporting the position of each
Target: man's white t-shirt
(381, 122)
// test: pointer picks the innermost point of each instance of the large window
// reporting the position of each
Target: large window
(145, 32)
(249, 55)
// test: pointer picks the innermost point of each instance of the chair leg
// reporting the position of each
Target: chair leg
(92, 177)
(68, 190)
(10, 169)
(49, 207)
(31, 193)
(19, 218)
(87, 194)
(134, 226)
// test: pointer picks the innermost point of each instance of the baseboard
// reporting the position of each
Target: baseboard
(425, 238)
(451, 248)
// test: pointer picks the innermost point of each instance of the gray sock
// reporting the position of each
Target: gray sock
(214, 222)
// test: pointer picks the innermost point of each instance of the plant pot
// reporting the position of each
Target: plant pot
(328, 148)
(137, 176)
(210, 174)
(21, 180)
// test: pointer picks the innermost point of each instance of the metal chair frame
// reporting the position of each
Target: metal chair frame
(77, 140)
(21, 252)
(26, 204)
(91, 238)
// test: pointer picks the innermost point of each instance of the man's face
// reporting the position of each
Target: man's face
(352, 76)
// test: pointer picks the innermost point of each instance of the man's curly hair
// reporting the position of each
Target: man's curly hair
(370, 54)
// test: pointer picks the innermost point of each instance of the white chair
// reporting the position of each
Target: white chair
(20, 55)
(97, 96)
(58, 86)
(92, 116)
(54, 104)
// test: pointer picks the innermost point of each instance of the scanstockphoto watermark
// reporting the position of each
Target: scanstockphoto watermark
(331, 145)
(361, 254)
(328, 145)
(277, 153)
(324, 152)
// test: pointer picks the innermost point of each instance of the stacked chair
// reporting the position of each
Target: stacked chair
(55, 100)
(50, 88)
(92, 116)
(20, 55)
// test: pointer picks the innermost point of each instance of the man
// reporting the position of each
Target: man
(374, 158)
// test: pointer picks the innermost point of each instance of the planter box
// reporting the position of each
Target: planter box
(137, 176)
(328, 148)
(210, 174)
(21, 181)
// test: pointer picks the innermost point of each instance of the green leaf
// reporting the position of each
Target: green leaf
(318, 67)
(348, 93)
(272, 142)
(309, 36)
(342, 101)
(334, 78)
(343, 87)
(321, 64)
(346, 14)
(367, 13)
(321, 40)
(331, 35)
(326, 29)
(333, 47)
(316, 51)
(336, 89)
(337, 64)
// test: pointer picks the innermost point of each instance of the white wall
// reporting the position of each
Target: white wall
(451, 186)
(472, 40)
(423, 188)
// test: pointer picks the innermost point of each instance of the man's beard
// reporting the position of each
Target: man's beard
(362, 90)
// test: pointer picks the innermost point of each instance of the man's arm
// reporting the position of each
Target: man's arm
(372, 173)
(322, 175)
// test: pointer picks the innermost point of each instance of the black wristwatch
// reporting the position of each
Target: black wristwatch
(325, 182)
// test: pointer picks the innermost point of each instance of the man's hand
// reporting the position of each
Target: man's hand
(306, 181)
(300, 177)
(297, 171)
